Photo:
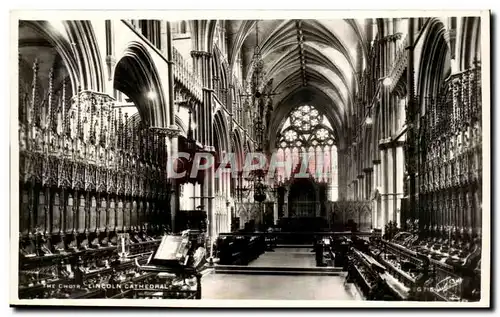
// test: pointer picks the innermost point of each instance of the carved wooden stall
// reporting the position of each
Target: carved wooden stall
(451, 169)
(450, 179)
(87, 172)
(438, 255)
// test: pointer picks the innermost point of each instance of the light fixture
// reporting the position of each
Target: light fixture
(387, 81)
(368, 118)
(59, 26)
(454, 65)
(151, 95)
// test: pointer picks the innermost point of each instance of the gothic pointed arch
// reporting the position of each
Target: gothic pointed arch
(221, 132)
(469, 42)
(203, 32)
(136, 76)
(434, 62)
(238, 148)
(43, 34)
(81, 33)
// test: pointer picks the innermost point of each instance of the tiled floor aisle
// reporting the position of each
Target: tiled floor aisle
(239, 286)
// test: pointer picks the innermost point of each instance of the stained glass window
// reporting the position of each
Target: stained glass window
(305, 126)
(307, 131)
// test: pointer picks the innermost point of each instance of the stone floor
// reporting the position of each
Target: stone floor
(286, 257)
(277, 287)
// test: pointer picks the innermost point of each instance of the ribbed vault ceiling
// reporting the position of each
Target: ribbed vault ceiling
(313, 61)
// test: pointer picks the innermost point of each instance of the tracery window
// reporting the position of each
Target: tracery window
(308, 135)
(306, 127)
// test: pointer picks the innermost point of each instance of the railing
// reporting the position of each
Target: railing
(408, 267)
(184, 76)
(372, 278)
(423, 276)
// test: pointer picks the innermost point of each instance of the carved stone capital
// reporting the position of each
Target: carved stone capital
(383, 144)
(170, 132)
(394, 37)
(389, 144)
(398, 143)
(198, 54)
(391, 38)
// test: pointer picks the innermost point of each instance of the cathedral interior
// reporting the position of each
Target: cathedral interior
(387, 113)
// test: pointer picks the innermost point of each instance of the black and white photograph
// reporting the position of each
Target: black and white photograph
(250, 159)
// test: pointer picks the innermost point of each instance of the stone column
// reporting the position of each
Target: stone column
(376, 185)
(368, 181)
(318, 205)
(285, 203)
(411, 119)
(197, 193)
(362, 187)
(390, 184)
(171, 134)
(172, 131)
(226, 196)
(203, 69)
(174, 201)
(275, 211)
(341, 174)
(399, 180)
(170, 115)
(207, 200)
(110, 55)
(383, 186)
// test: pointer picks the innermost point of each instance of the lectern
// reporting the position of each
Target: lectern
(181, 256)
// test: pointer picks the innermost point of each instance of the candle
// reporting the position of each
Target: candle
(123, 245)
